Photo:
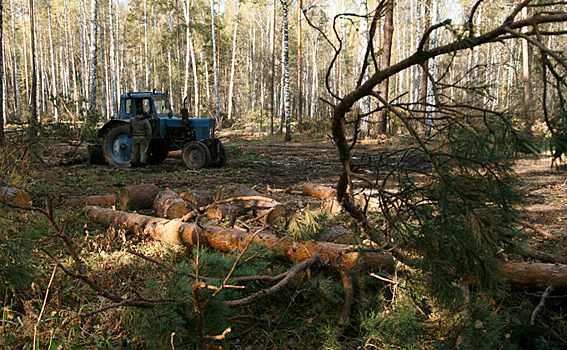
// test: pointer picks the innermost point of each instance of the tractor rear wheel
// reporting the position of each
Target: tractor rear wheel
(117, 146)
(196, 155)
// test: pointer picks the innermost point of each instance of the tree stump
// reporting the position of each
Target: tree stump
(137, 197)
(269, 208)
(15, 196)
(170, 205)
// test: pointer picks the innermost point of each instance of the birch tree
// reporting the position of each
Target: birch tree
(52, 59)
(15, 67)
(270, 77)
(287, 107)
(232, 61)
(215, 61)
(93, 56)
(112, 53)
(33, 97)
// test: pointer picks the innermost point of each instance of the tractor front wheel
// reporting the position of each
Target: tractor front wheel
(196, 155)
(117, 146)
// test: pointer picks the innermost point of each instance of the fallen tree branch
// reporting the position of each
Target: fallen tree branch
(538, 230)
(541, 304)
(289, 277)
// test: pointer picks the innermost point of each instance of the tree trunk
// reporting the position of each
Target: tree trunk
(287, 107)
(16, 77)
(137, 197)
(15, 196)
(224, 210)
(215, 61)
(108, 200)
(93, 54)
(198, 198)
(170, 205)
(34, 120)
(52, 56)
(257, 208)
(271, 64)
(386, 54)
(318, 191)
(338, 257)
(231, 84)
(526, 65)
(113, 87)
(299, 87)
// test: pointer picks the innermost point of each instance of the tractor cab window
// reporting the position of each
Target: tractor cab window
(163, 106)
(145, 105)
(128, 108)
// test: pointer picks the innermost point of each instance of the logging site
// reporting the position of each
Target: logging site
(283, 174)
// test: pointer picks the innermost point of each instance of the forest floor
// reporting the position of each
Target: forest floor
(270, 164)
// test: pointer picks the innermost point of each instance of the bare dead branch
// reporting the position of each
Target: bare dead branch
(541, 304)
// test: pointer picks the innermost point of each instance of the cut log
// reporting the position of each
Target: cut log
(269, 208)
(222, 211)
(15, 196)
(198, 198)
(107, 201)
(535, 276)
(175, 154)
(137, 197)
(318, 191)
(339, 257)
(170, 205)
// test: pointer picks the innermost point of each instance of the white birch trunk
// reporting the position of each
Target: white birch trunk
(15, 68)
(215, 61)
(146, 56)
(287, 107)
(231, 84)
(112, 53)
(195, 76)
(93, 53)
(53, 73)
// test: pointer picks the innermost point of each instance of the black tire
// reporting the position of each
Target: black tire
(117, 146)
(157, 152)
(221, 156)
(196, 155)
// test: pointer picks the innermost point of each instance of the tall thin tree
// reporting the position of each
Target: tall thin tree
(15, 68)
(34, 121)
(215, 61)
(93, 54)
(231, 84)
(271, 64)
(287, 107)
(299, 71)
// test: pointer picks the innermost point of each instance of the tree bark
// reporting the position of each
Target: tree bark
(232, 62)
(287, 107)
(137, 197)
(224, 210)
(107, 200)
(198, 198)
(170, 205)
(299, 87)
(318, 191)
(15, 69)
(386, 54)
(338, 257)
(271, 64)
(93, 58)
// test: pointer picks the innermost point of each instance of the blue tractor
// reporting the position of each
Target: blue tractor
(193, 136)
